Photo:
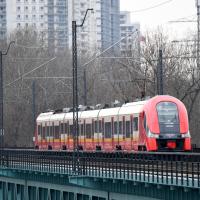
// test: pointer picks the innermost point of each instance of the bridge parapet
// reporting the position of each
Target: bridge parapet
(182, 170)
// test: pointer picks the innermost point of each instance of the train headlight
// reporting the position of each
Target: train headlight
(153, 135)
(186, 135)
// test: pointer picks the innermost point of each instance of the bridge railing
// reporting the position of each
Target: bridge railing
(181, 169)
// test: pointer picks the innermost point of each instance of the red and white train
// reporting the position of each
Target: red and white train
(160, 123)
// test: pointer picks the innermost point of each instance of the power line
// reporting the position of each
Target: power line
(30, 47)
(152, 7)
(99, 54)
(25, 74)
(55, 77)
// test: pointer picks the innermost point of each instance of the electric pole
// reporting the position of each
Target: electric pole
(1, 95)
(160, 74)
(198, 37)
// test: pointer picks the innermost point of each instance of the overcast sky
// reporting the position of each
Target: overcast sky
(151, 13)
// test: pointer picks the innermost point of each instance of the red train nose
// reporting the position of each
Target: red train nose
(171, 144)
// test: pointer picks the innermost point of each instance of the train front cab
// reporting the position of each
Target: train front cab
(166, 125)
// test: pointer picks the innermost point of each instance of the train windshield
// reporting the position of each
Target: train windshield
(168, 117)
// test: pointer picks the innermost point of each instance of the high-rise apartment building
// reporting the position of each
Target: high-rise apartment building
(26, 13)
(130, 32)
(101, 28)
(3, 28)
(54, 19)
(57, 23)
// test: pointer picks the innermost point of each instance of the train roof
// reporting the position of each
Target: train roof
(125, 109)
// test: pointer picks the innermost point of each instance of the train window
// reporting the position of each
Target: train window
(128, 131)
(47, 131)
(71, 130)
(43, 132)
(96, 126)
(62, 128)
(100, 126)
(50, 130)
(56, 132)
(168, 117)
(145, 122)
(115, 128)
(39, 130)
(120, 127)
(107, 129)
(88, 130)
(66, 128)
(135, 124)
(167, 112)
(93, 126)
(123, 126)
(82, 129)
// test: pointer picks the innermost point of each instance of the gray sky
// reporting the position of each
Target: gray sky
(151, 13)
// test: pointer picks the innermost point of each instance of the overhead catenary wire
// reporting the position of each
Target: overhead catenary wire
(25, 74)
(151, 7)
(30, 47)
(104, 51)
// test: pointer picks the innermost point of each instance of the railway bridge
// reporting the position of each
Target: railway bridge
(62, 175)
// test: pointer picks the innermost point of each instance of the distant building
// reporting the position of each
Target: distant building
(130, 32)
(3, 27)
(57, 24)
(53, 19)
(101, 28)
(26, 13)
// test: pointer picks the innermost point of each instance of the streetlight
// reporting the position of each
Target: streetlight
(1, 92)
(75, 82)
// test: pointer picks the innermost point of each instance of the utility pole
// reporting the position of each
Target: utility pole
(33, 106)
(85, 87)
(75, 81)
(198, 37)
(160, 74)
(1, 95)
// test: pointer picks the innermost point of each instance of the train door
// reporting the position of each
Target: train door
(96, 135)
(88, 135)
(56, 135)
(127, 143)
(50, 137)
(43, 136)
(100, 134)
(47, 134)
(66, 127)
(62, 136)
(107, 136)
(71, 135)
(115, 132)
(38, 137)
(120, 141)
(135, 132)
(81, 134)
(142, 132)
